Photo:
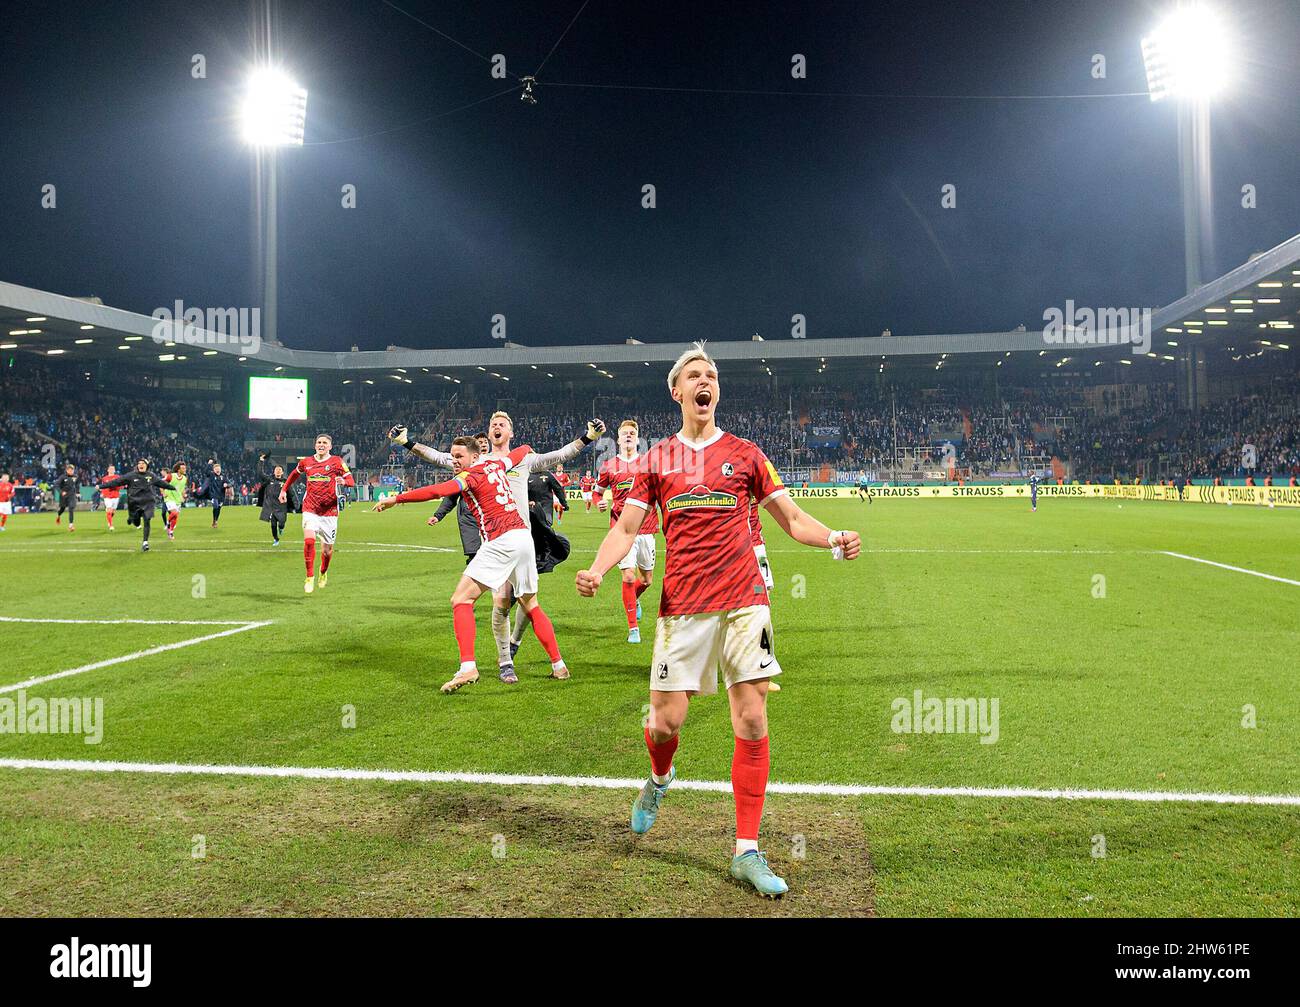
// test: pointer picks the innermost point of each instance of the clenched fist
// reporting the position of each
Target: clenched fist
(849, 543)
(588, 582)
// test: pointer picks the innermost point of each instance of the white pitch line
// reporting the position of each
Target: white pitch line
(1234, 569)
(54, 550)
(131, 622)
(612, 783)
(132, 657)
(989, 552)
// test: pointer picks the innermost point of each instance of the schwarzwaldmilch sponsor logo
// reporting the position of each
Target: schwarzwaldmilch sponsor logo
(700, 496)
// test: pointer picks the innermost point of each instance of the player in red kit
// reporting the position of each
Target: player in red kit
(110, 495)
(638, 566)
(562, 478)
(585, 486)
(320, 507)
(714, 607)
(506, 553)
(6, 499)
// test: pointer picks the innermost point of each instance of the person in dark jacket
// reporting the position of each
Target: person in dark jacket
(470, 540)
(545, 493)
(269, 497)
(140, 496)
(65, 490)
(214, 489)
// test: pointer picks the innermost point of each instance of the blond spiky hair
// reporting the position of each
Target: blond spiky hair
(628, 423)
(504, 415)
(696, 352)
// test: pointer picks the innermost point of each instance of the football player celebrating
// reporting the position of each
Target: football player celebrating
(505, 556)
(638, 566)
(585, 486)
(110, 495)
(174, 496)
(140, 485)
(66, 489)
(501, 431)
(6, 499)
(320, 506)
(714, 607)
(562, 478)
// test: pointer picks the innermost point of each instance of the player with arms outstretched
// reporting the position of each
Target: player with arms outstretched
(140, 485)
(320, 506)
(501, 430)
(638, 566)
(505, 556)
(714, 608)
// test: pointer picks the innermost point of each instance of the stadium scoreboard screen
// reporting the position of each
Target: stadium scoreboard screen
(277, 398)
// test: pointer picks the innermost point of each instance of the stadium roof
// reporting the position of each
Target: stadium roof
(1251, 309)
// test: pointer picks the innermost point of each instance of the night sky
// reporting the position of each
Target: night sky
(768, 205)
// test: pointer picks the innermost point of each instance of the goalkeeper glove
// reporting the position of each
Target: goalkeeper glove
(398, 435)
(595, 428)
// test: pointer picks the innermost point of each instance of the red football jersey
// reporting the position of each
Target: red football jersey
(562, 478)
(586, 483)
(6, 491)
(704, 491)
(107, 493)
(617, 473)
(485, 488)
(755, 524)
(322, 494)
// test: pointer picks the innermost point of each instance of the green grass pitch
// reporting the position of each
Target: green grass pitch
(1115, 667)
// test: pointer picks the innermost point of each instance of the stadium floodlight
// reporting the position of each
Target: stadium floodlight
(274, 112)
(1187, 55)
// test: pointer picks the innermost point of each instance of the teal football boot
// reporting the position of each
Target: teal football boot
(646, 805)
(751, 867)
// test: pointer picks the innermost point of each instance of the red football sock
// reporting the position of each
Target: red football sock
(749, 766)
(545, 632)
(109, 515)
(641, 587)
(462, 621)
(309, 555)
(3, 519)
(172, 518)
(325, 557)
(629, 603)
(661, 753)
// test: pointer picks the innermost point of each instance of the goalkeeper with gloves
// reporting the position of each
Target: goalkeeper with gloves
(501, 432)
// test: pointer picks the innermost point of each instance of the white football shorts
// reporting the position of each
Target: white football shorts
(320, 526)
(641, 555)
(508, 557)
(690, 648)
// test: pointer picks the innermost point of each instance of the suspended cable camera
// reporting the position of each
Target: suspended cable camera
(527, 93)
